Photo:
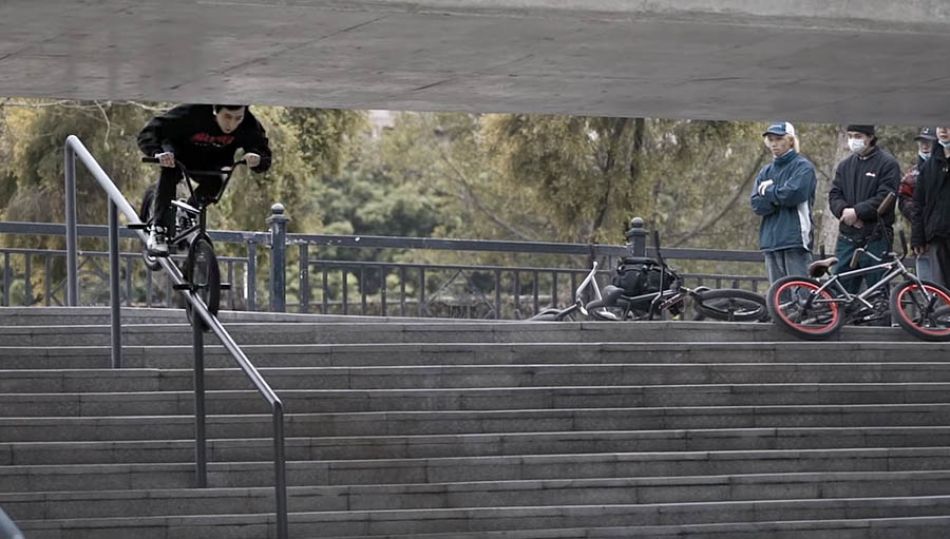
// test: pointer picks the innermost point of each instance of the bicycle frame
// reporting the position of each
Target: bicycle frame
(202, 203)
(893, 269)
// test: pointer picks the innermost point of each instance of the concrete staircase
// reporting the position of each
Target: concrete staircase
(439, 429)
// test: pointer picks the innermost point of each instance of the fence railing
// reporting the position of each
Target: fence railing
(369, 275)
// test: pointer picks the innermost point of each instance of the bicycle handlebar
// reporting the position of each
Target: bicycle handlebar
(886, 204)
(223, 170)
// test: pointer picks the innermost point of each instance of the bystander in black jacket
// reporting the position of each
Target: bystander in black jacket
(861, 182)
(193, 135)
(931, 218)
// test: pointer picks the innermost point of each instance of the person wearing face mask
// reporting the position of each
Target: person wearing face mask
(783, 195)
(862, 181)
(930, 223)
(925, 140)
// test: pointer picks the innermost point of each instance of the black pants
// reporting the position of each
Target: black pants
(208, 187)
(941, 255)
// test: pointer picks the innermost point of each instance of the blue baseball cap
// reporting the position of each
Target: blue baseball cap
(781, 129)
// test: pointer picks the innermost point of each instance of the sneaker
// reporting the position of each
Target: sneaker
(156, 244)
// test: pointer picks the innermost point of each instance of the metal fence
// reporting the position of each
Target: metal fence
(362, 275)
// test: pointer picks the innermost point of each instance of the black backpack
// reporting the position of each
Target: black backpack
(641, 277)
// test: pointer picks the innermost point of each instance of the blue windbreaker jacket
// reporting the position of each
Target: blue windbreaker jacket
(786, 206)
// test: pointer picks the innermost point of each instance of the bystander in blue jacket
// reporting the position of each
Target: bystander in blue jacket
(784, 195)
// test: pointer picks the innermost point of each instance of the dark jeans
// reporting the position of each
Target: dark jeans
(845, 249)
(208, 187)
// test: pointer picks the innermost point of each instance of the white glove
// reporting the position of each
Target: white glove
(252, 159)
(763, 186)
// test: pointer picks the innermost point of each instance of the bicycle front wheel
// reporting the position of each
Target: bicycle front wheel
(797, 306)
(924, 312)
(201, 270)
(731, 305)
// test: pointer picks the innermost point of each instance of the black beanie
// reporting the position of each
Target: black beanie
(866, 129)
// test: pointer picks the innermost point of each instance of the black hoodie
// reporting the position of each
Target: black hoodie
(862, 182)
(931, 217)
(193, 135)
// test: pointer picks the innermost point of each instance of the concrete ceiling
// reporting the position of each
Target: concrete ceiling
(868, 61)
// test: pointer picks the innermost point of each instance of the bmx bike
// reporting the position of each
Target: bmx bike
(200, 269)
(662, 293)
(814, 307)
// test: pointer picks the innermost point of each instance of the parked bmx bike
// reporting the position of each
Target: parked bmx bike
(815, 307)
(200, 270)
(651, 290)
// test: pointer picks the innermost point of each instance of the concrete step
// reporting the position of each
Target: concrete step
(463, 469)
(847, 528)
(367, 400)
(408, 354)
(361, 523)
(646, 490)
(354, 331)
(459, 376)
(16, 429)
(470, 445)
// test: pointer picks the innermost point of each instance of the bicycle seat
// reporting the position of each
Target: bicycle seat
(820, 267)
(612, 294)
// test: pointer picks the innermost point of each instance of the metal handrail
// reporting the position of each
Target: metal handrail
(117, 202)
(8, 529)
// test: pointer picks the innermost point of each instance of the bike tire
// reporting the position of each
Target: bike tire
(203, 273)
(915, 314)
(731, 305)
(785, 300)
(145, 215)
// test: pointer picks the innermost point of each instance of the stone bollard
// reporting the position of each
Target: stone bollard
(278, 246)
(636, 238)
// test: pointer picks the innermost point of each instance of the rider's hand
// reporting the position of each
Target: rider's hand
(763, 186)
(919, 249)
(166, 159)
(252, 159)
(849, 216)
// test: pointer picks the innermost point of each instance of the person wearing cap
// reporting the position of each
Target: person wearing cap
(930, 226)
(862, 181)
(925, 140)
(783, 195)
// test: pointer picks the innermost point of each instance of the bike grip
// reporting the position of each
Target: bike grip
(886, 204)
(150, 160)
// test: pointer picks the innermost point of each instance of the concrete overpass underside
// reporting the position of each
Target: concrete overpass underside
(811, 60)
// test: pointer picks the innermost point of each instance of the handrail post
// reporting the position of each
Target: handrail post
(280, 471)
(115, 300)
(201, 458)
(636, 238)
(278, 271)
(69, 168)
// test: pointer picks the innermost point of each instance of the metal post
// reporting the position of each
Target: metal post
(72, 271)
(114, 295)
(278, 271)
(251, 281)
(201, 468)
(304, 277)
(637, 238)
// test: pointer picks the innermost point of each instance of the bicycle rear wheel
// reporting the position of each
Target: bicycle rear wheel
(797, 306)
(731, 305)
(923, 312)
(201, 270)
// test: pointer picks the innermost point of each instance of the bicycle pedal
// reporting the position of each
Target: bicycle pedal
(225, 286)
(183, 286)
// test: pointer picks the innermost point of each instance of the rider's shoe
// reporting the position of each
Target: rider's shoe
(156, 244)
